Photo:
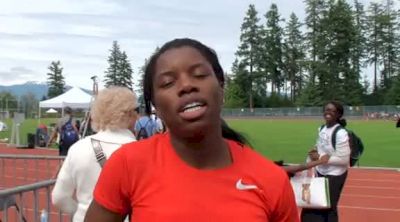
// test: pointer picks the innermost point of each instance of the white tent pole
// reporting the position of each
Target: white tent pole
(39, 115)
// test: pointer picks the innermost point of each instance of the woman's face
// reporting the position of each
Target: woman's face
(331, 114)
(186, 92)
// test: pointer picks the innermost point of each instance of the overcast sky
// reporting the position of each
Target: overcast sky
(79, 33)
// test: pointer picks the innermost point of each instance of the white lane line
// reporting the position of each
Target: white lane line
(371, 180)
(369, 208)
(371, 196)
(376, 168)
(374, 187)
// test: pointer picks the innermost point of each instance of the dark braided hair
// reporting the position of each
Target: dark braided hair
(340, 110)
(209, 54)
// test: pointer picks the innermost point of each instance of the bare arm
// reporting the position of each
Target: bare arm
(75, 128)
(52, 137)
(297, 168)
(97, 213)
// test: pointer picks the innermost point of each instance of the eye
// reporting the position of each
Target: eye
(201, 74)
(166, 84)
(165, 81)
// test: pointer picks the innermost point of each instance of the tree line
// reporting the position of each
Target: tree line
(118, 73)
(297, 63)
(324, 57)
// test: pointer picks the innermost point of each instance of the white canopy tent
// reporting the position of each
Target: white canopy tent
(75, 98)
(51, 111)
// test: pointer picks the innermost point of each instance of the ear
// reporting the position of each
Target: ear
(158, 113)
(222, 94)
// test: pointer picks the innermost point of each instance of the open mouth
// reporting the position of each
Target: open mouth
(328, 116)
(193, 111)
(192, 107)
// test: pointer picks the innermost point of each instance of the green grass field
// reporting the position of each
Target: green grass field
(291, 139)
(28, 126)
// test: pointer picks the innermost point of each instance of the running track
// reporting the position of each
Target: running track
(370, 195)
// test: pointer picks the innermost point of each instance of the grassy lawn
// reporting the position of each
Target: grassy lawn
(28, 126)
(291, 139)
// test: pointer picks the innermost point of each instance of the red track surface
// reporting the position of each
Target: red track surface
(368, 196)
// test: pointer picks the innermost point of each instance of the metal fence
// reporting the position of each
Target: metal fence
(374, 112)
(25, 185)
(19, 170)
(27, 202)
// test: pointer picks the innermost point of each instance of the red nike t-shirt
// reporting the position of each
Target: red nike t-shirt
(150, 180)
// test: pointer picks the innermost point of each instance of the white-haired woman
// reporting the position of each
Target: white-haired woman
(113, 113)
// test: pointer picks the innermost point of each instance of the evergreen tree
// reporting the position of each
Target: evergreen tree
(391, 41)
(141, 71)
(139, 84)
(119, 72)
(342, 81)
(375, 39)
(393, 95)
(272, 55)
(126, 71)
(112, 72)
(359, 51)
(311, 96)
(316, 11)
(8, 101)
(293, 55)
(29, 104)
(317, 40)
(55, 80)
(236, 88)
(249, 49)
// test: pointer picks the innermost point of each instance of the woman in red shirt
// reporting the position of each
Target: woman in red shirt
(190, 173)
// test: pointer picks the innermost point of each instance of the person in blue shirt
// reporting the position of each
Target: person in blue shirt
(145, 127)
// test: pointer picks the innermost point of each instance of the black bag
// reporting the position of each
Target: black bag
(355, 142)
(68, 134)
(142, 134)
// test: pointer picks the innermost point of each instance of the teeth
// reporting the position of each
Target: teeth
(191, 105)
(192, 109)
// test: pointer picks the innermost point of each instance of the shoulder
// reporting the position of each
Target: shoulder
(342, 132)
(258, 163)
(141, 151)
(258, 169)
(79, 147)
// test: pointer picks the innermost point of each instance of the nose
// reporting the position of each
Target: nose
(186, 85)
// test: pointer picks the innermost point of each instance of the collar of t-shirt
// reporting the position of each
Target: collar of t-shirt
(120, 136)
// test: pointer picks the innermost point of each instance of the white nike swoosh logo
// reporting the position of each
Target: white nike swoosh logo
(241, 186)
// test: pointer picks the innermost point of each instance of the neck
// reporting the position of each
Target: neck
(209, 151)
(330, 124)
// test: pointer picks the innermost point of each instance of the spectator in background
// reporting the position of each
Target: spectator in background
(336, 167)
(112, 115)
(41, 135)
(67, 130)
(145, 127)
(228, 133)
(160, 128)
(78, 125)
